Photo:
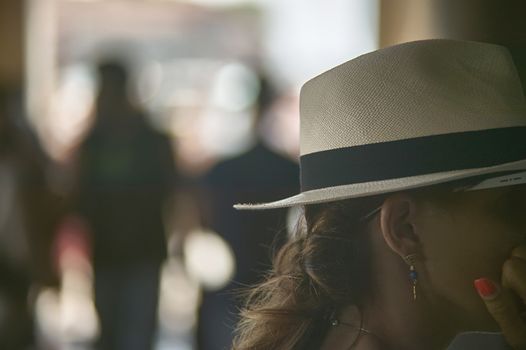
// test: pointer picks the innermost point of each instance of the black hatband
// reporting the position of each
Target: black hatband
(411, 157)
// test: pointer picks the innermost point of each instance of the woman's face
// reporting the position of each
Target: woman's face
(467, 238)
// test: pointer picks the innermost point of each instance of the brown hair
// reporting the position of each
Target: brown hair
(323, 267)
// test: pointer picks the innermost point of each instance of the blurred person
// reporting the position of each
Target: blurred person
(258, 173)
(28, 213)
(413, 168)
(126, 174)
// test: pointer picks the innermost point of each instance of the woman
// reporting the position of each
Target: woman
(413, 169)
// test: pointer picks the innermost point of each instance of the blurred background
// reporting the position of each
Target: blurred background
(129, 128)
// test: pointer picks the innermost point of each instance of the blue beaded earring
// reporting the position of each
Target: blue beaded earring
(413, 275)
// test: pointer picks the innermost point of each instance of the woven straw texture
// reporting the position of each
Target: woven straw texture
(415, 89)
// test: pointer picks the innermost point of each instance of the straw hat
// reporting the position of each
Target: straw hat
(408, 116)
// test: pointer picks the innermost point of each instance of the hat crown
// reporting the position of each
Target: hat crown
(416, 89)
(408, 116)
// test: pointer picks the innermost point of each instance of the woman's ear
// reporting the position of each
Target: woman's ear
(398, 224)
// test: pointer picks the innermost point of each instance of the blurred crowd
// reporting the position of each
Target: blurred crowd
(127, 211)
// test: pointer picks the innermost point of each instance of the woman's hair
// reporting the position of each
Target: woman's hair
(323, 267)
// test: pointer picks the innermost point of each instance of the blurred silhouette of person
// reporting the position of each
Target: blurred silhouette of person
(126, 174)
(27, 214)
(259, 173)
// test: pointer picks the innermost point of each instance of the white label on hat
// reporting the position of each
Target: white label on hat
(501, 181)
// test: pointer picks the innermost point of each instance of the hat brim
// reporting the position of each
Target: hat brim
(365, 189)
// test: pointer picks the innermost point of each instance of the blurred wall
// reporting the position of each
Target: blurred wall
(495, 21)
(406, 20)
(11, 43)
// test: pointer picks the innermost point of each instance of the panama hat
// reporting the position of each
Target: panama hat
(408, 116)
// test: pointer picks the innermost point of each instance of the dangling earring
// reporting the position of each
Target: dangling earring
(413, 275)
